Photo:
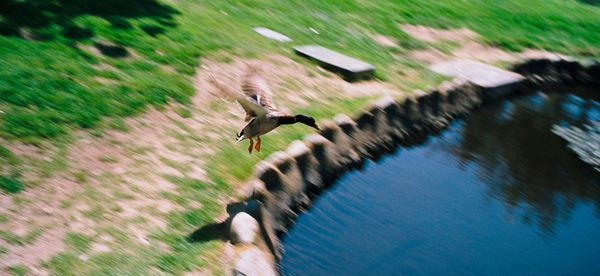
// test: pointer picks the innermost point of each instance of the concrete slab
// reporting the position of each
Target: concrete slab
(494, 82)
(272, 34)
(351, 68)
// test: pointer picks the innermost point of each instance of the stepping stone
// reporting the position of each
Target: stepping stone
(351, 68)
(494, 82)
(272, 34)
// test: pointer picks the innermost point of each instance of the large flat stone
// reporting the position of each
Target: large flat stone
(495, 82)
(351, 68)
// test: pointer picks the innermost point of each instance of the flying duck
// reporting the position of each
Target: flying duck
(257, 101)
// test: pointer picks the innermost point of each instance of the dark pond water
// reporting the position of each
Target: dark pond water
(495, 194)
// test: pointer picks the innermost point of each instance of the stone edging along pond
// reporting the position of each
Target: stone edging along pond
(287, 181)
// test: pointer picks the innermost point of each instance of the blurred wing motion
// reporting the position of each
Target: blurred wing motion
(256, 88)
(250, 104)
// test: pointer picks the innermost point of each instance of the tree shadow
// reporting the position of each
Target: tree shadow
(40, 19)
(590, 2)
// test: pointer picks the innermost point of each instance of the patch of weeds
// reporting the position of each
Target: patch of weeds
(108, 159)
(120, 236)
(180, 166)
(175, 198)
(10, 185)
(115, 142)
(141, 150)
(8, 156)
(93, 194)
(3, 218)
(65, 263)
(116, 208)
(13, 238)
(19, 200)
(446, 46)
(10, 237)
(3, 250)
(118, 124)
(184, 254)
(18, 270)
(80, 176)
(176, 134)
(183, 112)
(122, 195)
(78, 242)
(407, 42)
(96, 213)
(66, 204)
(96, 133)
(186, 129)
(32, 235)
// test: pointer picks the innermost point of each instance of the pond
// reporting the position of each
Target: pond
(495, 193)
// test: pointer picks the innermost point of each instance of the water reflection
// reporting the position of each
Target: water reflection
(523, 163)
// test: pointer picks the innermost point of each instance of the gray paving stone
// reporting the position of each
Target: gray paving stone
(272, 34)
(351, 68)
(493, 81)
(478, 73)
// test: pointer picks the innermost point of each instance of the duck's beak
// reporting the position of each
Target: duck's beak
(240, 139)
(316, 127)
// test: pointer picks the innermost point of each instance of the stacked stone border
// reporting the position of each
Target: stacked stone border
(288, 181)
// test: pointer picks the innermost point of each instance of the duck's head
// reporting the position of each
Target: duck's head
(307, 120)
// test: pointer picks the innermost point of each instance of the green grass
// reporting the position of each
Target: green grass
(48, 86)
(18, 270)
(108, 159)
(10, 185)
(78, 242)
(13, 238)
(3, 218)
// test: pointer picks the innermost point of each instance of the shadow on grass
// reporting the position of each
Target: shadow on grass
(38, 19)
(209, 232)
(590, 2)
(219, 230)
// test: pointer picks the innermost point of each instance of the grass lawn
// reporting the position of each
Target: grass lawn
(73, 64)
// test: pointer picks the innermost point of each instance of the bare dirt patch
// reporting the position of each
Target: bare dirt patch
(435, 35)
(469, 48)
(384, 40)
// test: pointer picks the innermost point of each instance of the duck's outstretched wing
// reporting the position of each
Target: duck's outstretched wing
(250, 105)
(256, 88)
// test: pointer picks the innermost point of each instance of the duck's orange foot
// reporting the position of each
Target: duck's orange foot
(250, 147)
(257, 147)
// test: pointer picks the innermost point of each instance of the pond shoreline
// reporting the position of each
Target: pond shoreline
(287, 182)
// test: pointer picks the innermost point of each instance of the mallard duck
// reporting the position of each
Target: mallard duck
(257, 101)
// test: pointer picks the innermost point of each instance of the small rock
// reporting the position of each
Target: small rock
(243, 228)
(47, 210)
(144, 240)
(253, 187)
(297, 148)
